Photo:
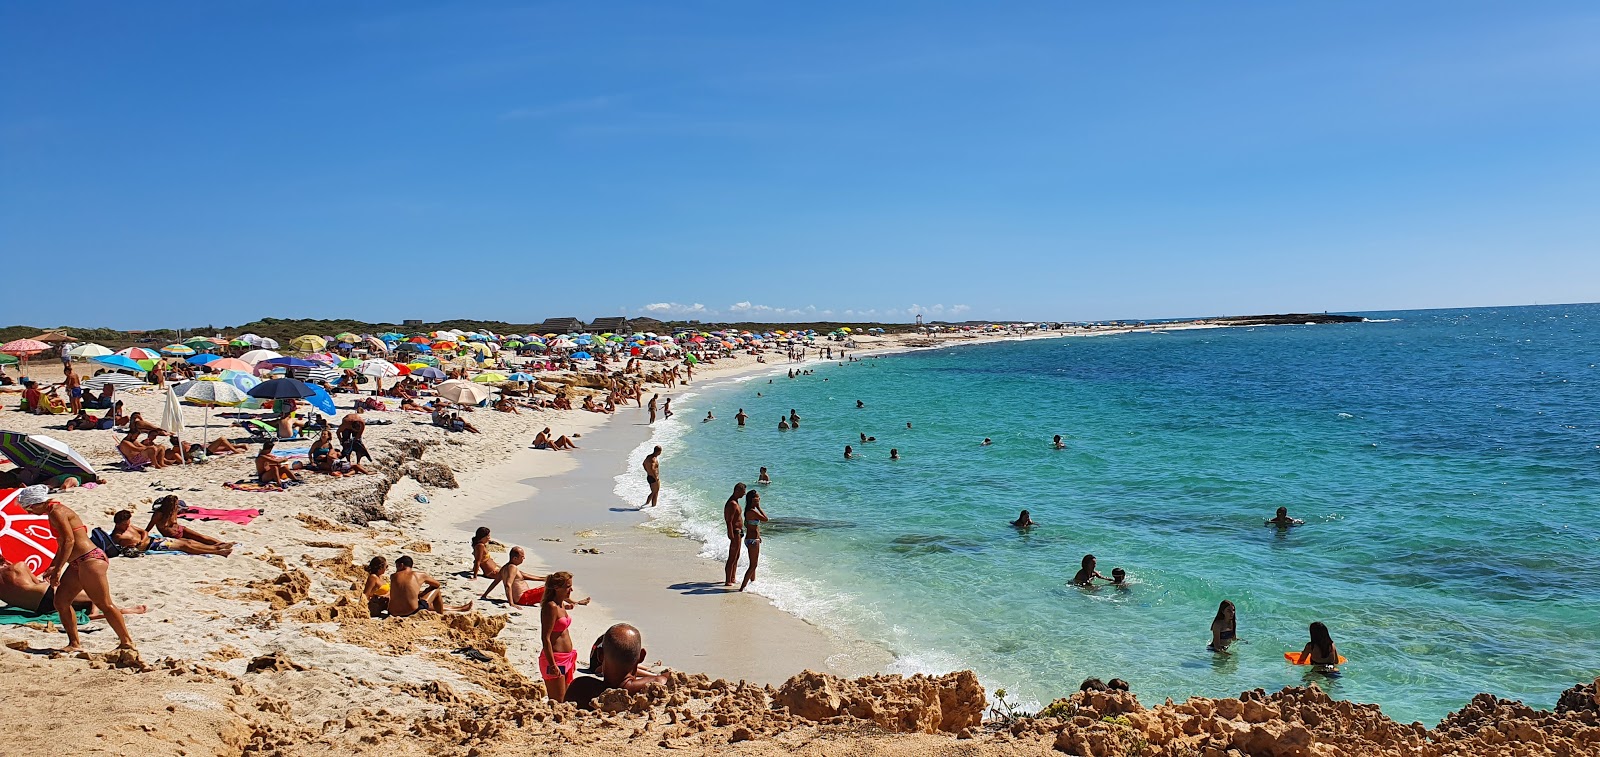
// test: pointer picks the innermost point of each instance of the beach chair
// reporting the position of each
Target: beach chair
(262, 431)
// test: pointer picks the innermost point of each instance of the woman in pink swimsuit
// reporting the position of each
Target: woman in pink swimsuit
(165, 520)
(558, 661)
(78, 566)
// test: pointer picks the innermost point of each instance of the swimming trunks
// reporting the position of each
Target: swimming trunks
(157, 544)
(752, 541)
(650, 480)
(530, 597)
(93, 554)
(47, 603)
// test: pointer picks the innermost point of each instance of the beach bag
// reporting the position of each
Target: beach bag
(103, 540)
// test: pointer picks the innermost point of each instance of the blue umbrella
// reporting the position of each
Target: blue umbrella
(289, 362)
(203, 359)
(281, 389)
(122, 362)
(428, 373)
(320, 400)
(581, 356)
(520, 376)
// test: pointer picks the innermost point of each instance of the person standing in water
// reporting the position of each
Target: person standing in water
(1282, 519)
(652, 476)
(894, 454)
(1320, 651)
(1023, 521)
(783, 423)
(740, 416)
(666, 408)
(1058, 444)
(1087, 573)
(763, 478)
(794, 419)
(754, 516)
(731, 515)
(1224, 628)
(848, 452)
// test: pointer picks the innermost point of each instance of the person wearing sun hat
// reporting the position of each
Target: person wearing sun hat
(79, 565)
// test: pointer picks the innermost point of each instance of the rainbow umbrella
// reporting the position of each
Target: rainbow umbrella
(177, 350)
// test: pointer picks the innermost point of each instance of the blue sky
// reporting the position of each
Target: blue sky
(188, 163)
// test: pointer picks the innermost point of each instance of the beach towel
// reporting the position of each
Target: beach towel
(252, 486)
(159, 552)
(241, 517)
(290, 454)
(17, 616)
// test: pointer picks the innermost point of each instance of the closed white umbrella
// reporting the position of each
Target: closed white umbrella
(172, 419)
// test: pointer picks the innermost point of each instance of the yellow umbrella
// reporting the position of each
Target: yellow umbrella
(308, 343)
(488, 378)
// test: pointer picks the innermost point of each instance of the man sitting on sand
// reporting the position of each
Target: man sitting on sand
(518, 593)
(1282, 519)
(21, 589)
(621, 653)
(412, 591)
(271, 469)
(130, 537)
(140, 453)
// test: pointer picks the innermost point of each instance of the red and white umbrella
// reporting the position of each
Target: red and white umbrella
(139, 353)
(24, 537)
(24, 347)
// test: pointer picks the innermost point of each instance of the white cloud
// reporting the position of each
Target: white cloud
(675, 308)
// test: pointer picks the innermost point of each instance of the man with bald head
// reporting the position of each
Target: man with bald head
(621, 653)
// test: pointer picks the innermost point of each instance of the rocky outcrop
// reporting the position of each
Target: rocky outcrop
(919, 704)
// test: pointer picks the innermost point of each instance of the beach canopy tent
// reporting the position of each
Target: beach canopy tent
(119, 380)
(24, 537)
(45, 456)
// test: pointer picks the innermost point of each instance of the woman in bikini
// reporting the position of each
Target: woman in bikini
(376, 589)
(78, 566)
(482, 563)
(1320, 651)
(754, 516)
(165, 520)
(558, 661)
(1224, 628)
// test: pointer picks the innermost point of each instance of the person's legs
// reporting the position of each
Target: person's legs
(191, 547)
(732, 566)
(68, 588)
(754, 548)
(96, 583)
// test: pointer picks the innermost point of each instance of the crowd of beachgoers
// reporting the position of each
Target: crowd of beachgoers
(305, 574)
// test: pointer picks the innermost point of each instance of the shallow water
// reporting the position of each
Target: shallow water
(1446, 464)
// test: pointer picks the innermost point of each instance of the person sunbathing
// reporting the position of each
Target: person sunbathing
(138, 425)
(482, 563)
(457, 423)
(414, 407)
(412, 591)
(130, 537)
(505, 405)
(271, 469)
(621, 651)
(83, 421)
(21, 589)
(543, 441)
(376, 589)
(224, 447)
(165, 519)
(138, 453)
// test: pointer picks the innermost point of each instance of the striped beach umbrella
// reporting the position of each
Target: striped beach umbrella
(46, 456)
(177, 350)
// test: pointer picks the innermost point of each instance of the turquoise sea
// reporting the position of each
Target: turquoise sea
(1447, 463)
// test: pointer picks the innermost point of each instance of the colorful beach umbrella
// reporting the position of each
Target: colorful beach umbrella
(463, 392)
(45, 456)
(379, 368)
(177, 350)
(7, 359)
(229, 364)
(24, 347)
(120, 362)
(24, 537)
(139, 353)
(255, 356)
(488, 378)
(428, 372)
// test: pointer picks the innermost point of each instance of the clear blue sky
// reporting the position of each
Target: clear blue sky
(185, 163)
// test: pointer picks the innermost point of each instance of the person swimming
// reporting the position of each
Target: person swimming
(763, 478)
(1086, 574)
(860, 404)
(848, 452)
(1282, 519)
(1224, 628)
(894, 454)
(1023, 521)
(1058, 444)
(1119, 577)
(986, 442)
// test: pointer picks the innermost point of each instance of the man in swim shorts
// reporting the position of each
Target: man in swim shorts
(518, 593)
(733, 516)
(412, 591)
(652, 476)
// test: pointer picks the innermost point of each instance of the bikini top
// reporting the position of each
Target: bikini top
(563, 623)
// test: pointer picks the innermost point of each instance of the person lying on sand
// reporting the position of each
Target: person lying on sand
(411, 406)
(518, 593)
(271, 469)
(543, 441)
(21, 589)
(376, 589)
(1087, 574)
(222, 446)
(77, 565)
(412, 591)
(128, 536)
(621, 653)
(505, 405)
(1282, 519)
(165, 520)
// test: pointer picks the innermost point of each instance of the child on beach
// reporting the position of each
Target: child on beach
(763, 478)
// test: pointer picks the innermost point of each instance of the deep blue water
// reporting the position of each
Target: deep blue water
(1445, 463)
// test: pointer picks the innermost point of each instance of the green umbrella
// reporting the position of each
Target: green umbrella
(7, 359)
